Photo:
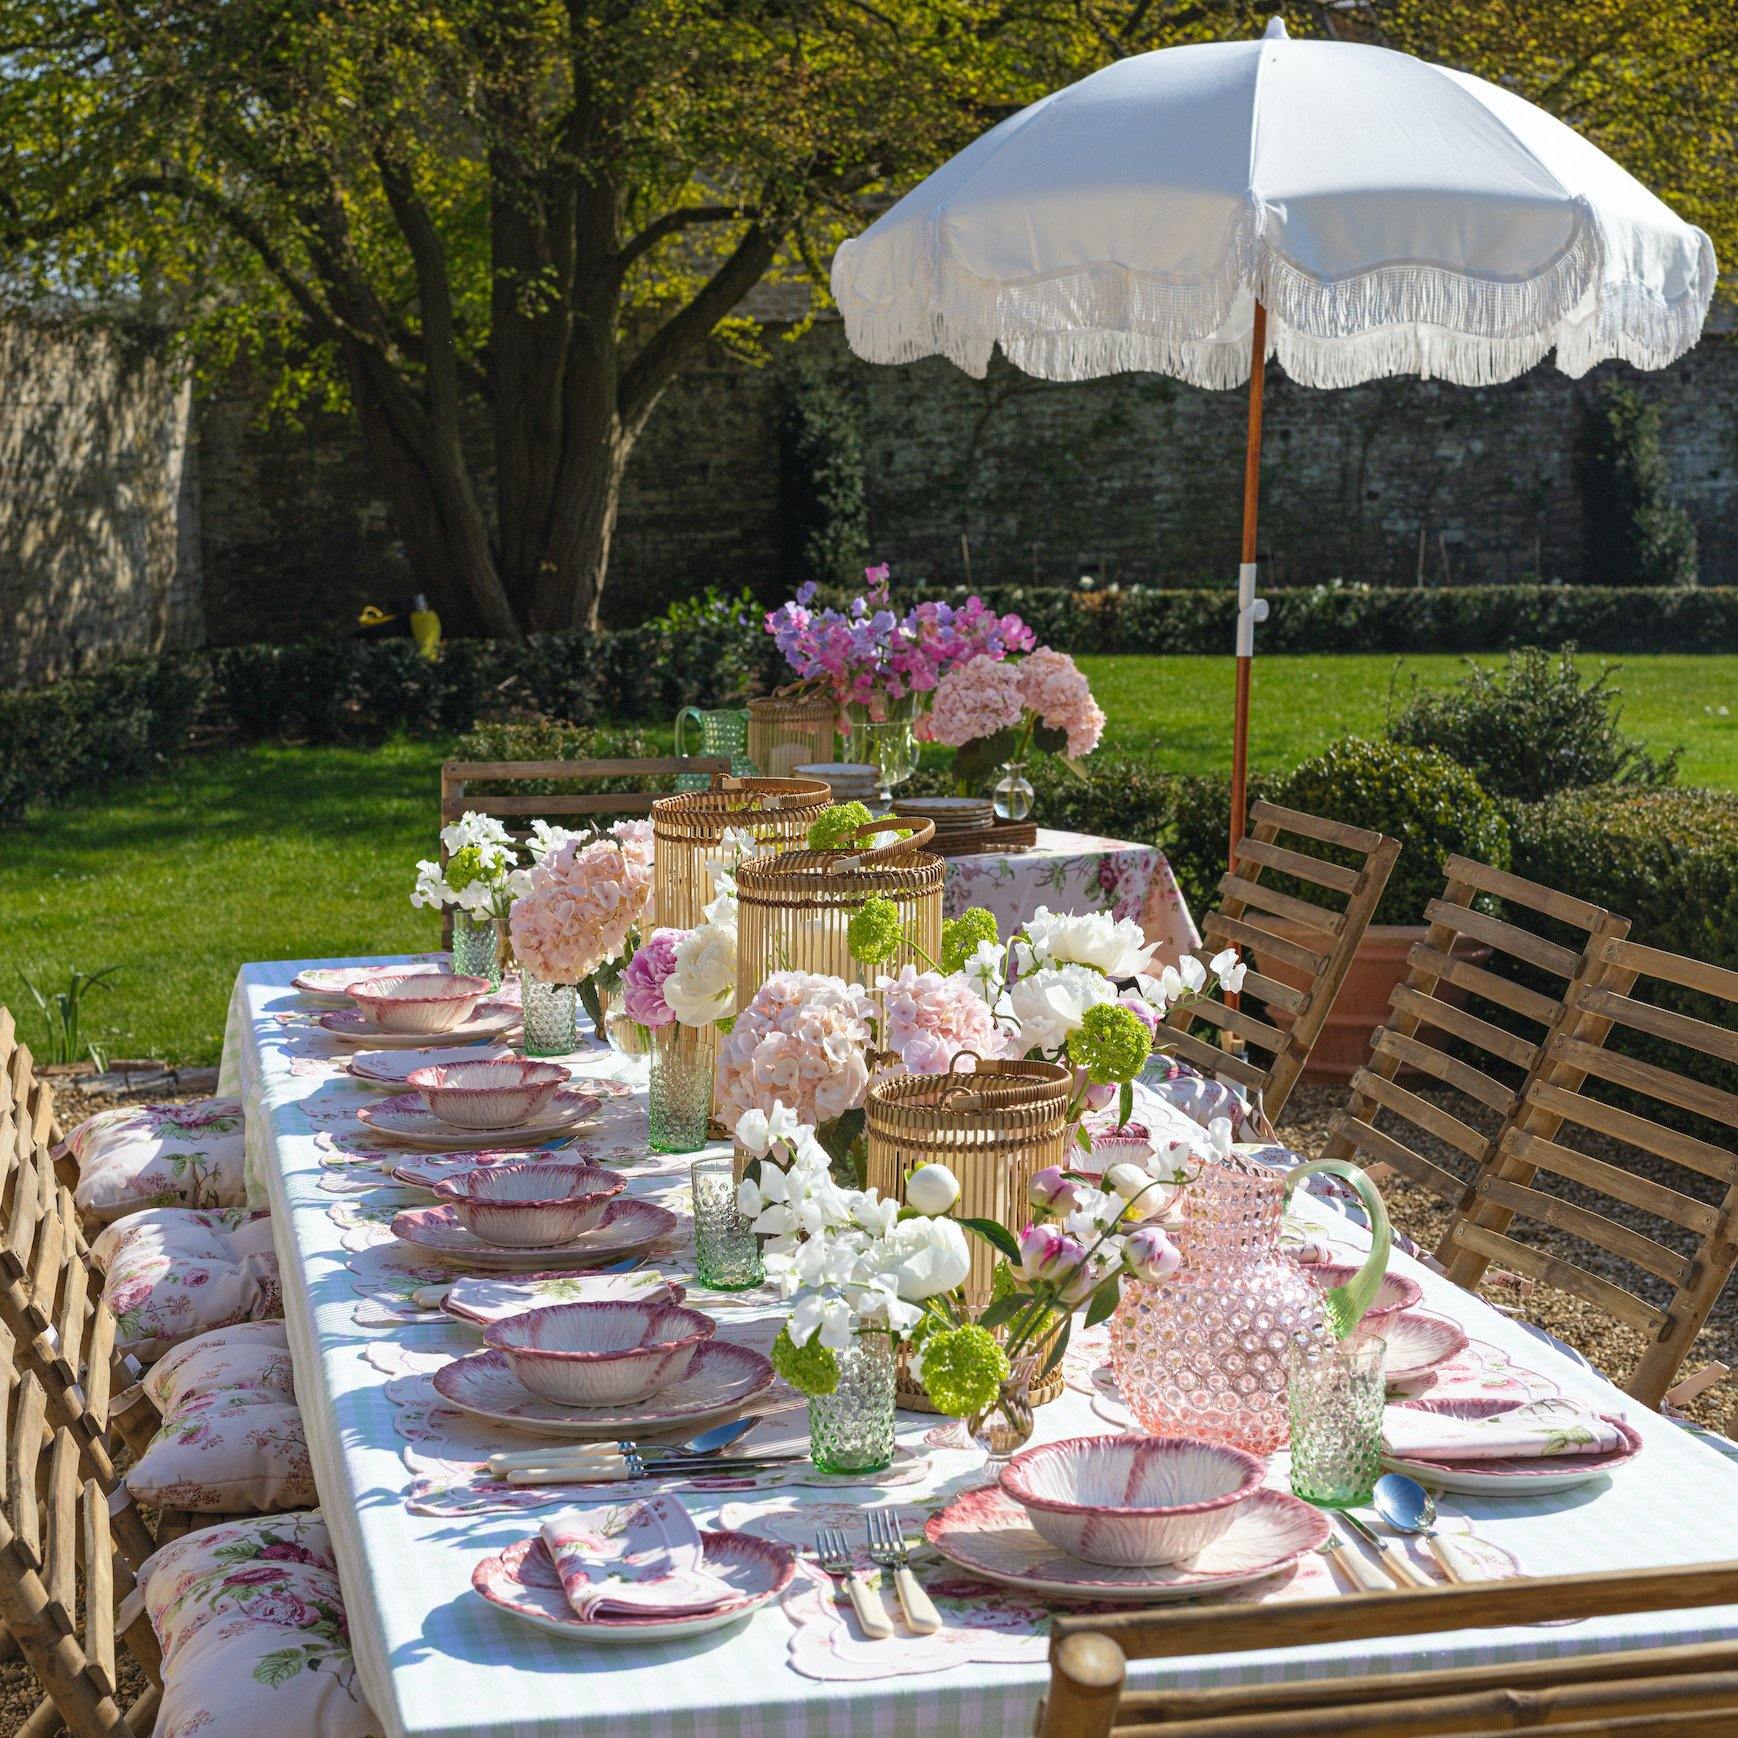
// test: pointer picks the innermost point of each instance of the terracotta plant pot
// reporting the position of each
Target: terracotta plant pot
(1362, 1004)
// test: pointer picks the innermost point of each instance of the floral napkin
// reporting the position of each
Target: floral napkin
(486, 1298)
(1543, 1427)
(637, 1558)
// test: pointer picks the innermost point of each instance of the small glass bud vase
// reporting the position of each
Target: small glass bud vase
(477, 947)
(680, 1087)
(626, 1036)
(549, 1012)
(1012, 797)
(1005, 1426)
(851, 1429)
(726, 1251)
(1335, 1393)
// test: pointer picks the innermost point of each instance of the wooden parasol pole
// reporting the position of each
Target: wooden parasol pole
(1250, 608)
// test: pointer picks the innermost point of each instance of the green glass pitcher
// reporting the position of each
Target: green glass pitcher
(723, 731)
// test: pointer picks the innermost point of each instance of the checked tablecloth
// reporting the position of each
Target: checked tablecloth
(437, 1662)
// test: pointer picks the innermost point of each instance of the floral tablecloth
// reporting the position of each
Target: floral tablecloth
(1076, 872)
(410, 1515)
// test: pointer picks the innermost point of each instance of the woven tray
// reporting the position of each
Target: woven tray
(1004, 836)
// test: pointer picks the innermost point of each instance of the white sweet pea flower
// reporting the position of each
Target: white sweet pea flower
(431, 887)
(873, 1215)
(1050, 1003)
(1228, 969)
(546, 840)
(986, 971)
(1219, 1137)
(831, 1317)
(931, 1189)
(759, 1131)
(1192, 972)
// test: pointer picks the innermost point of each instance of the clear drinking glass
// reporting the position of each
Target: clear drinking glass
(477, 947)
(1336, 1393)
(851, 1429)
(549, 1013)
(680, 1088)
(726, 1252)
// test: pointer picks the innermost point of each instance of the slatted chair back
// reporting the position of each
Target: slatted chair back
(66, 1594)
(1340, 872)
(1464, 1030)
(22, 1085)
(1680, 1243)
(51, 1303)
(1653, 1692)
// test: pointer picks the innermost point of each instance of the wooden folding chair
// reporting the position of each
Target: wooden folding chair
(1316, 939)
(21, 1085)
(1451, 1006)
(66, 1593)
(1526, 1178)
(1652, 1693)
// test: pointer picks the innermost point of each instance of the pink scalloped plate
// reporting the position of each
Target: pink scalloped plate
(405, 1118)
(327, 984)
(522, 1580)
(1418, 1342)
(427, 1170)
(720, 1382)
(393, 1067)
(986, 1533)
(1530, 1476)
(629, 1226)
(487, 1020)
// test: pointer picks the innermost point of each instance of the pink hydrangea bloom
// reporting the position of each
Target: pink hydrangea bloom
(643, 981)
(1053, 687)
(931, 1019)
(583, 902)
(804, 1042)
(973, 702)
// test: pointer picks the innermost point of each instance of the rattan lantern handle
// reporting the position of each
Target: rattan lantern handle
(955, 1094)
(921, 833)
(728, 783)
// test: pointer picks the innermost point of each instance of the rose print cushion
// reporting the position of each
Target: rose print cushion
(159, 1155)
(1200, 1099)
(251, 1625)
(231, 1440)
(173, 1272)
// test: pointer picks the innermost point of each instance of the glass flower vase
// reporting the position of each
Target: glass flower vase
(1013, 794)
(680, 1087)
(726, 1250)
(477, 947)
(1336, 1394)
(883, 736)
(851, 1429)
(550, 1013)
(1005, 1426)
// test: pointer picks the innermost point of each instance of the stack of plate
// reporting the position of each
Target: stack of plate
(957, 819)
(851, 781)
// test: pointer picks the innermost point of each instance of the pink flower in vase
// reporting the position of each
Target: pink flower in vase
(1052, 686)
(643, 981)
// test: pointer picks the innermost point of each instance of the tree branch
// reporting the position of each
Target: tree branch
(433, 292)
(673, 222)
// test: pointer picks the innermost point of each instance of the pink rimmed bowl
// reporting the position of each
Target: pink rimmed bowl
(1132, 1501)
(1396, 1293)
(540, 1204)
(418, 1001)
(600, 1354)
(487, 1095)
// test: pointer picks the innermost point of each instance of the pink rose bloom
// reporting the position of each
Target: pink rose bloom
(931, 1019)
(973, 702)
(1052, 686)
(804, 1040)
(643, 981)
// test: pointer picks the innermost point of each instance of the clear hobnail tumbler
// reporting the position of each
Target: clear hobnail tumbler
(477, 947)
(851, 1429)
(549, 1012)
(1335, 1394)
(680, 1088)
(726, 1251)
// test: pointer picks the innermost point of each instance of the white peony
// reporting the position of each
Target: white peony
(929, 1257)
(931, 1189)
(702, 987)
(1118, 947)
(1050, 1004)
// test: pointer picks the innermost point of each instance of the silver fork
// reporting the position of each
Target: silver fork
(834, 1557)
(888, 1549)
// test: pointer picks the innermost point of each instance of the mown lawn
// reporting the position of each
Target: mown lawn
(275, 853)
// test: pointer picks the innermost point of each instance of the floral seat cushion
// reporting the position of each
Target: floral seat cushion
(159, 1155)
(231, 1440)
(1200, 1098)
(251, 1624)
(173, 1272)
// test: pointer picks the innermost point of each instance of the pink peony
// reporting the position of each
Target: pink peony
(1052, 686)
(643, 981)
(974, 701)
(803, 1042)
(583, 901)
(931, 1019)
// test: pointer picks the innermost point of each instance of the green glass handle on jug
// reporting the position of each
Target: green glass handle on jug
(682, 718)
(1345, 1304)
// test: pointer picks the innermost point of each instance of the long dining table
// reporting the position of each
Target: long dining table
(409, 1520)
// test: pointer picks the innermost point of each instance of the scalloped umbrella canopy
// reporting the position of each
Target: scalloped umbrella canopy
(1350, 211)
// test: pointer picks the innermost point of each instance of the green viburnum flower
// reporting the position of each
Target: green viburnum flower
(961, 935)
(832, 828)
(810, 1369)
(1111, 1044)
(962, 1369)
(463, 867)
(1002, 1282)
(873, 935)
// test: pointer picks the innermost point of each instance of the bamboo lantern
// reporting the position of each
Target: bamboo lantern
(689, 829)
(995, 1129)
(788, 731)
(792, 910)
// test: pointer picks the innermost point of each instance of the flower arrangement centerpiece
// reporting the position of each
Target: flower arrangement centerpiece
(993, 715)
(477, 884)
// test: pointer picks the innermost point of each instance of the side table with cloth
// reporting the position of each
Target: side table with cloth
(1076, 872)
(436, 1661)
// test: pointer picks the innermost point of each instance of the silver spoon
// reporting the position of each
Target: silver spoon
(705, 1446)
(1408, 1507)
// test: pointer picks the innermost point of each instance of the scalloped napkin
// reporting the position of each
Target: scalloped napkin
(1543, 1427)
(639, 1558)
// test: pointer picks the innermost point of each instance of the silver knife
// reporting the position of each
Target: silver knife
(631, 1467)
(1399, 1566)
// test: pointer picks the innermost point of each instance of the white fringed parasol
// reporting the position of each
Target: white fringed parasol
(1350, 211)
